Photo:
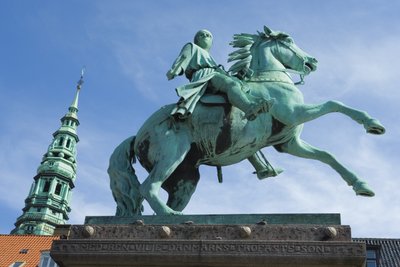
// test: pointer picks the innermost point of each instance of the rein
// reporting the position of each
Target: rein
(301, 74)
(301, 82)
(286, 71)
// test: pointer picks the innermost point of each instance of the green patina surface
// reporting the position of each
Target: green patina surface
(317, 218)
(48, 201)
(264, 108)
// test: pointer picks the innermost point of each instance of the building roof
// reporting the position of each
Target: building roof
(389, 250)
(23, 248)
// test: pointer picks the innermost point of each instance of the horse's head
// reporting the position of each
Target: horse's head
(288, 53)
(269, 51)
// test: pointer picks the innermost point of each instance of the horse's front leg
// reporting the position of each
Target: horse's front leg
(300, 148)
(297, 114)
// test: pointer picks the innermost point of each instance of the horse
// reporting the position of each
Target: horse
(218, 134)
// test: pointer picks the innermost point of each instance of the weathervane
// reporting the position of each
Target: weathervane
(80, 82)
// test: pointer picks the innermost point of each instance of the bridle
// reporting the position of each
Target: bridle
(285, 70)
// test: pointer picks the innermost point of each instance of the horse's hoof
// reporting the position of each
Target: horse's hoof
(362, 189)
(373, 126)
(176, 213)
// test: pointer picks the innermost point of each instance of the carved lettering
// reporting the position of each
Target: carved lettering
(212, 248)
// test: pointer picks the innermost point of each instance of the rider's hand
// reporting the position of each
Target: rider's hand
(170, 75)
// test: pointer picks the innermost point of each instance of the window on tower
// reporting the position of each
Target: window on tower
(58, 189)
(29, 228)
(46, 186)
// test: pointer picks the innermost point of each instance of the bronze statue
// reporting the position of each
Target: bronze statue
(220, 133)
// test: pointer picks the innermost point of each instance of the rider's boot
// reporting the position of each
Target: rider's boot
(251, 108)
(260, 105)
(263, 168)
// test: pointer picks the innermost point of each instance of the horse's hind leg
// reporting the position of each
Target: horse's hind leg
(181, 185)
(298, 114)
(183, 181)
(168, 160)
(300, 148)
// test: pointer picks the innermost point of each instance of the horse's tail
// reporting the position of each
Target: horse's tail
(123, 180)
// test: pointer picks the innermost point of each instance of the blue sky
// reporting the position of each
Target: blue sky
(127, 47)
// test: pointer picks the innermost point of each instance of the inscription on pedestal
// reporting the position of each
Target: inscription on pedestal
(210, 247)
(213, 245)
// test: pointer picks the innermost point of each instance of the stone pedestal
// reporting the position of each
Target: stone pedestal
(191, 244)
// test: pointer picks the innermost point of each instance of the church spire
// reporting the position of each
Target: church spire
(74, 105)
(48, 200)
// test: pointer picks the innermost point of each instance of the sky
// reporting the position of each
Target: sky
(127, 48)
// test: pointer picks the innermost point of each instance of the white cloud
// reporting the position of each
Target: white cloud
(140, 41)
(83, 205)
(358, 65)
(133, 64)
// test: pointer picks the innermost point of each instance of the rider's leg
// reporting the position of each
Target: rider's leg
(237, 97)
(300, 113)
(300, 148)
(263, 168)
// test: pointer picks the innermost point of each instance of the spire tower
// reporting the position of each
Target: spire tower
(47, 204)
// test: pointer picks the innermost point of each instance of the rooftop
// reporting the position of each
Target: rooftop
(388, 250)
(23, 248)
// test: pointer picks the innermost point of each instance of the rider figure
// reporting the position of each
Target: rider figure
(205, 74)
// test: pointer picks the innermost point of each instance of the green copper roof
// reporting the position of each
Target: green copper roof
(47, 204)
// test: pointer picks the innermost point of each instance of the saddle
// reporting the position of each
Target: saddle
(214, 100)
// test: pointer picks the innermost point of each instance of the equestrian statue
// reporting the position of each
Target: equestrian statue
(223, 117)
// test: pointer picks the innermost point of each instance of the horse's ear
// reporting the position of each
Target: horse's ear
(267, 30)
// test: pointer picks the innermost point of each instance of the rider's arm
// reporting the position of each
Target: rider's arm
(181, 63)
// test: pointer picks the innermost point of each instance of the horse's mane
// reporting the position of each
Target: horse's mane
(244, 42)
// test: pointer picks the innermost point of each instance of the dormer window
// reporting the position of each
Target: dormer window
(46, 260)
(23, 251)
(17, 264)
(372, 256)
